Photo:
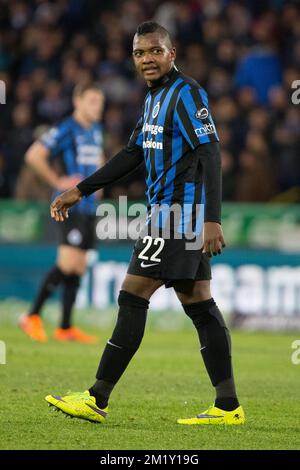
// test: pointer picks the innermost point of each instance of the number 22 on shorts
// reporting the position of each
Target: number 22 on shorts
(149, 241)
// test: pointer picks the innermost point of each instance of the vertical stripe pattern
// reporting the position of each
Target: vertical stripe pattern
(176, 120)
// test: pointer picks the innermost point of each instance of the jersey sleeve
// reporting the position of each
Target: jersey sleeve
(56, 139)
(123, 163)
(136, 137)
(193, 117)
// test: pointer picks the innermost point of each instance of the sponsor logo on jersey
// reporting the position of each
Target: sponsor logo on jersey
(151, 144)
(205, 130)
(153, 129)
(88, 155)
(201, 113)
(156, 110)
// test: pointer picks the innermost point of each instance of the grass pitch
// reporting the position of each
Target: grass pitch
(166, 380)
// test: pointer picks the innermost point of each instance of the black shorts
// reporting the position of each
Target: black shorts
(168, 260)
(79, 230)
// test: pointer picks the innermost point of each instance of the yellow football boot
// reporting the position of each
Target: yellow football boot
(215, 415)
(78, 405)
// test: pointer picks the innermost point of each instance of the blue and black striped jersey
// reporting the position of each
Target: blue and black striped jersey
(80, 149)
(176, 119)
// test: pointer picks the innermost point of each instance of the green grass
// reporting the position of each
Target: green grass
(165, 380)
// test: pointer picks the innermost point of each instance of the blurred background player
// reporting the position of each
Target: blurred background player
(77, 143)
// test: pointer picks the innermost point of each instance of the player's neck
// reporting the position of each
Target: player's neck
(81, 120)
(163, 80)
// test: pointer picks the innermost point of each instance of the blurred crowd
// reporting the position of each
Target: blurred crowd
(246, 54)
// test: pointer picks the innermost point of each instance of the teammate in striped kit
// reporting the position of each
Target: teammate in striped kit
(177, 140)
(77, 143)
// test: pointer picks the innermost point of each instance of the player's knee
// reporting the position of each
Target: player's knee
(202, 291)
(204, 312)
(71, 269)
(130, 327)
(140, 286)
(72, 281)
(189, 291)
(77, 265)
(71, 260)
(80, 269)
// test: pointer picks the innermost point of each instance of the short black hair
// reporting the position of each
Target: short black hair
(152, 27)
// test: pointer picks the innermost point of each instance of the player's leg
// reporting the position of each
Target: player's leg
(70, 265)
(53, 278)
(71, 235)
(31, 323)
(127, 335)
(215, 342)
(75, 234)
(133, 303)
(72, 262)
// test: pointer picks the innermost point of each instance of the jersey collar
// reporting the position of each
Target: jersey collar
(165, 79)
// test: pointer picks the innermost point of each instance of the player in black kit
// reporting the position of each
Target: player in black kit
(178, 143)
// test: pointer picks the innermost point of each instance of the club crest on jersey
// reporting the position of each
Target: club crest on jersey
(156, 110)
(201, 113)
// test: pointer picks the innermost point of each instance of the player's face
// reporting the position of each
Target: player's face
(153, 56)
(90, 105)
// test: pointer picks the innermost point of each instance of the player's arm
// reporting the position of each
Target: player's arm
(37, 157)
(197, 127)
(101, 162)
(210, 159)
(119, 166)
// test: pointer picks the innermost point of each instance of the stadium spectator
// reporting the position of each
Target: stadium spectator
(19, 138)
(229, 177)
(246, 54)
(4, 190)
(254, 182)
(260, 69)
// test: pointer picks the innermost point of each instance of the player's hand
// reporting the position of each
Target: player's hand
(213, 239)
(61, 204)
(67, 182)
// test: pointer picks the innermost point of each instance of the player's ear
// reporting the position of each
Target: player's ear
(173, 53)
(76, 100)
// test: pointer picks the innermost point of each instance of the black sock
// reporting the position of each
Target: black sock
(227, 403)
(215, 349)
(70, 289)
(51, 281)
(126, 338)
(226, 395)
(101, 390)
